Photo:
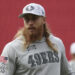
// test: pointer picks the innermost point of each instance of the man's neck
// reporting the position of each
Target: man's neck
(32, 39)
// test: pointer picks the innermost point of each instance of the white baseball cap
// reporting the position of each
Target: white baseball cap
(33, 8)
(72, 48)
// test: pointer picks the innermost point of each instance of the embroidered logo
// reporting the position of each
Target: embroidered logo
(31, 47)
(30, 8)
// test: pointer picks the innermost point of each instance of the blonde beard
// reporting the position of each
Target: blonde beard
(30, 38)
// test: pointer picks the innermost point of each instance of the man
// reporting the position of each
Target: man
(34, 51)
(72, 61)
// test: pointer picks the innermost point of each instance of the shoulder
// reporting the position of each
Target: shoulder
(57, 41)
(12, 46)
(14, 43)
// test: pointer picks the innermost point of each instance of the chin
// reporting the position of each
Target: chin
(32, 33)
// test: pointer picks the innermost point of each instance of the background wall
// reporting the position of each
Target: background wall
(60, 17)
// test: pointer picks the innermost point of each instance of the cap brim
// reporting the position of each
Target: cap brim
(21, 15)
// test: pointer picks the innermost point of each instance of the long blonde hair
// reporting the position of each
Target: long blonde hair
(46, 34)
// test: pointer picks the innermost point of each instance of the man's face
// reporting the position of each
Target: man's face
(33, 24)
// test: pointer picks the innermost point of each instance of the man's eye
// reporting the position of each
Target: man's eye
(26, 18)
(35, 18)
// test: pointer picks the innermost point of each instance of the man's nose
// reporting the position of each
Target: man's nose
(31, 22)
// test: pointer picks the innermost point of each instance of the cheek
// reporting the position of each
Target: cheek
(39, 28)
(39, 23)
(25, 25)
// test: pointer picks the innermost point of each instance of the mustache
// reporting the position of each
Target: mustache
(31, 28)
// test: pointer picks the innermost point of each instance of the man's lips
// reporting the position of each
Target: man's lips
(31, 28)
